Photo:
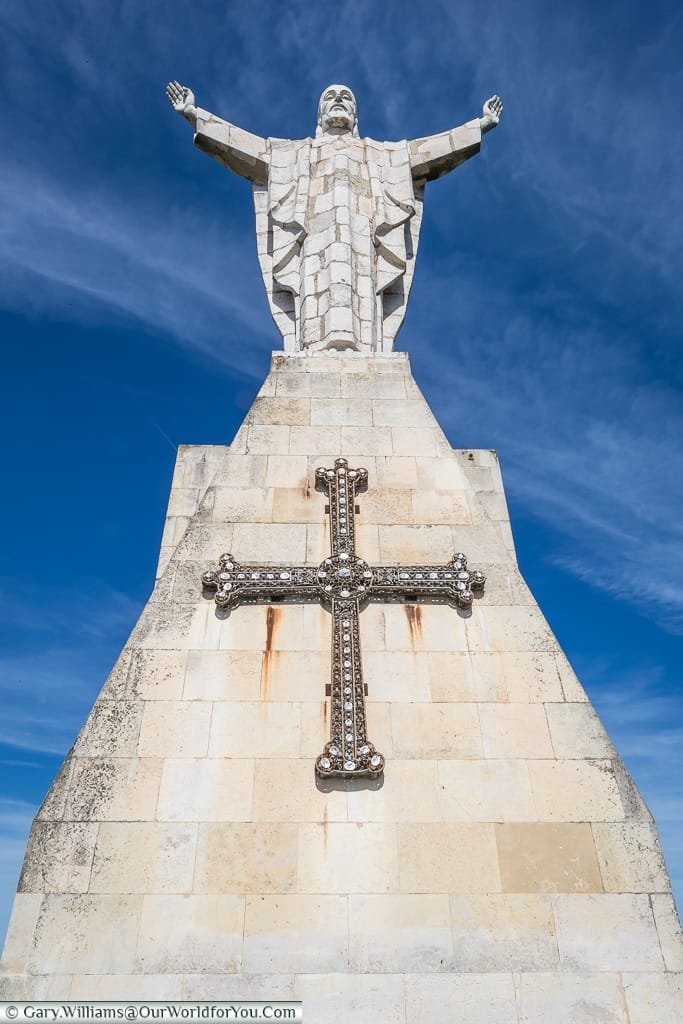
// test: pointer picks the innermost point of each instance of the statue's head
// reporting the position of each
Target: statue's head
(337, 111)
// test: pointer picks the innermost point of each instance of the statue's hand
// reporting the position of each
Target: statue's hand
(182, 100)
(493, 108)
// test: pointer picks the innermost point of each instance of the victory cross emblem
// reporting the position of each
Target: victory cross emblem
(344, 583)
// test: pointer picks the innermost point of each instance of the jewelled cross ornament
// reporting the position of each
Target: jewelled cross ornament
(344, 583)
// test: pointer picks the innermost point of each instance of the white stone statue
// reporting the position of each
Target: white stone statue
(337, 217)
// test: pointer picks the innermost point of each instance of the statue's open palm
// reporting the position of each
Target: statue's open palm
(181, 98)
(493, 108)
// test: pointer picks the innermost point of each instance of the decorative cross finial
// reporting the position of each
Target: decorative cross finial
(344, 583)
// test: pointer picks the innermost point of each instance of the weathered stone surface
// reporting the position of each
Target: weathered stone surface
(504, 870)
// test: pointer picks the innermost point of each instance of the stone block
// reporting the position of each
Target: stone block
(439, 473)
(654, 998)
(396, 471)
(288, 790)
(396, 676)
(207, 789)
(309, 385)
(287, 471)
(267, 440)
(20, 931)
(575, 791)
(469, 998)
(243, 629)
(168, 625)
(503, 933)
(246, 857)
(420, 441)
(241, 470)
(410, 792)
(175, 728)
(449, 731)
(360, 443)
(286, 676)
(242, 504)
(390, 506)
(576, 731)
(341, 412)
(336, 998)
(415, 545)
(539, 857)
(110, 987)
(276, 543)
(157, 675)
(16, 987)
(231, 987)
(143, 857)
(114, 789)
(668, 930)
(223, 675)
(606, 932)
(508, 629)
(571, 687)
(400, 933)
(531, 676)
(430, 507)
(59, 857)
(448, 857)
(299, 505)
(417, 627)
(74, 935)
(190, 934)
(462, 677)
(111, 729)
(281, 410)
(576, 998)
(346, 857)
(296, 933)
(254, 729)
(630, 856)
(320, 439)
(203, 542)
(183, 501)
(486, 791)
(397, 413)
(515, 730)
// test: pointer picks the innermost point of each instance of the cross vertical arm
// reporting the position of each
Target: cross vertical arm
(348, 753)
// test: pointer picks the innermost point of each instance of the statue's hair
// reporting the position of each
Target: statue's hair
(335, 85)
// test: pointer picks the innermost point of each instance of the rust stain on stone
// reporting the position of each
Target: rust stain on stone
(272, 620)
(307, 488)
(414, 616)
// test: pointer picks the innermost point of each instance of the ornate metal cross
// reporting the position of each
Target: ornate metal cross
(344, 583)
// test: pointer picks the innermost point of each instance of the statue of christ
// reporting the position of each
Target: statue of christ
(337, 216)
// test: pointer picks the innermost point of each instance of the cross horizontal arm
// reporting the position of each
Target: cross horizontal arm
(453, 581)
(235, 583)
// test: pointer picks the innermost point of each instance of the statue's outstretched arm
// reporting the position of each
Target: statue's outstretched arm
(240, 151)
(438, 154)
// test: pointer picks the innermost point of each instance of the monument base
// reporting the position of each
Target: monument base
(504, 870)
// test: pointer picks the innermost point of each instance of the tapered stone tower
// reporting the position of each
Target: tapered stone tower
(342, 757)
(502, 867)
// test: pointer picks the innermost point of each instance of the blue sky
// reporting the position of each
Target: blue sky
(544, 319)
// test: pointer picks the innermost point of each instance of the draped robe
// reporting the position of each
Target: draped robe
(337, 222)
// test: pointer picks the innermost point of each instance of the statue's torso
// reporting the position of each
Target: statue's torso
(338, 296)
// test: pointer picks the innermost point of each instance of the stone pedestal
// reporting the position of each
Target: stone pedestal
(504, 871)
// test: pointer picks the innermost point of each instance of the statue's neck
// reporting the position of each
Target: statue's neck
(336, 133)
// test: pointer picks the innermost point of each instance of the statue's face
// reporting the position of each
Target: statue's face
(337, 108)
